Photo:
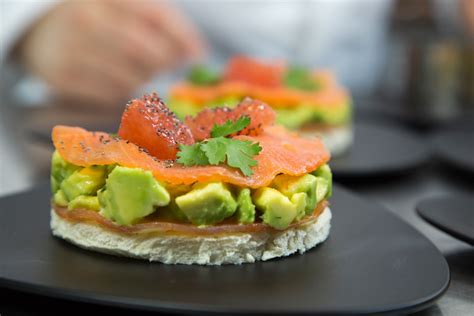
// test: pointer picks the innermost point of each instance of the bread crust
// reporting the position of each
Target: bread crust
(168, 248)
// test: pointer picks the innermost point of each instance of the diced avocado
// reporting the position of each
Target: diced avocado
(84, 201)
(207, 203)
(110, 168)
(245, 207)
(86, 181)
(299, 200)
(278, 210)
(337, 115)
(322, 188)
(60, 199)
(182, 107)
(172, 211)
(302, 114)
(60, 170)
(289, 185)
(325, 172)
(131, 194)
(294, 117)
(229, 101)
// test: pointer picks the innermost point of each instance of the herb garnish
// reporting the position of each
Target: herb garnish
(219, 149)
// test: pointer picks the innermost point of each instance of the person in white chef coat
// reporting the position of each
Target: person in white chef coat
(104, 50)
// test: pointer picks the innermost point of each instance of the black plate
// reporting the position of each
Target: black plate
(452, 214)
(378, 151)
(456, 148)
(372, 262)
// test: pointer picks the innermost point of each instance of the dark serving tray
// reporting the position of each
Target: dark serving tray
(452, 214)
(373, 262)
(378, 151)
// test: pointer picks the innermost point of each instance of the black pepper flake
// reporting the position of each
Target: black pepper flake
(143, 150)
(168, 163)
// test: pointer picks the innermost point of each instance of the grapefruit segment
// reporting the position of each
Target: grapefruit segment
(249, 70)
(148, 123)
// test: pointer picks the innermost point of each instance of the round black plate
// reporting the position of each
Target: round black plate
(452, 214)
(372, 262)
(378, 151)
(456, 148)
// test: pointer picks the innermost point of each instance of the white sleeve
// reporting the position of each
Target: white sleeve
(15, 18)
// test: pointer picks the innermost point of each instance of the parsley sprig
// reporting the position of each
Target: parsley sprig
(219, 149)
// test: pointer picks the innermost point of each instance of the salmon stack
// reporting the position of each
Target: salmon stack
(225, 186)
(311, 102)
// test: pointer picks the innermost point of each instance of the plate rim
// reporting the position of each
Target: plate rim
(90, 297)
(443, 154)
(438, 226)
(424, 154)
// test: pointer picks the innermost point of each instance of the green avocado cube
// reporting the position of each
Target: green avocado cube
(85, 181)
(322, 189)
(182, 107)
(245, 207)
(294, 118)
(289, 185)
(299, 200)
(60, 199)
(60, 170)
(278, 210)
(84, 201)
(229, 101)
(131, 194)
(338, 115)
(172, 211)
(207, 204)
(325, 172)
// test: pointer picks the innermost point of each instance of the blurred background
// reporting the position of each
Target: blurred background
(78, 62)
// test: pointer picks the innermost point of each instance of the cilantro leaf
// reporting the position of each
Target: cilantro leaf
(218, 149)
(215, 150)
(240, 153)
(230, 127)
(192, 155)
(236, 153)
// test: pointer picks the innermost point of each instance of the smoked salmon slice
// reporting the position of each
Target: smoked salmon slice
(283, 153)
(278, 97)
(249, 70)
(261, 116)
(156, 225)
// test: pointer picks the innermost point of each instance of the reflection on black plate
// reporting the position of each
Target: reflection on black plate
(379, 150)
(456, 148)
(372, 262)
(452, 214)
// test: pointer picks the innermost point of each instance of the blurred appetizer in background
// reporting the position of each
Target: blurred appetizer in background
(311, 102)
(224, 187)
